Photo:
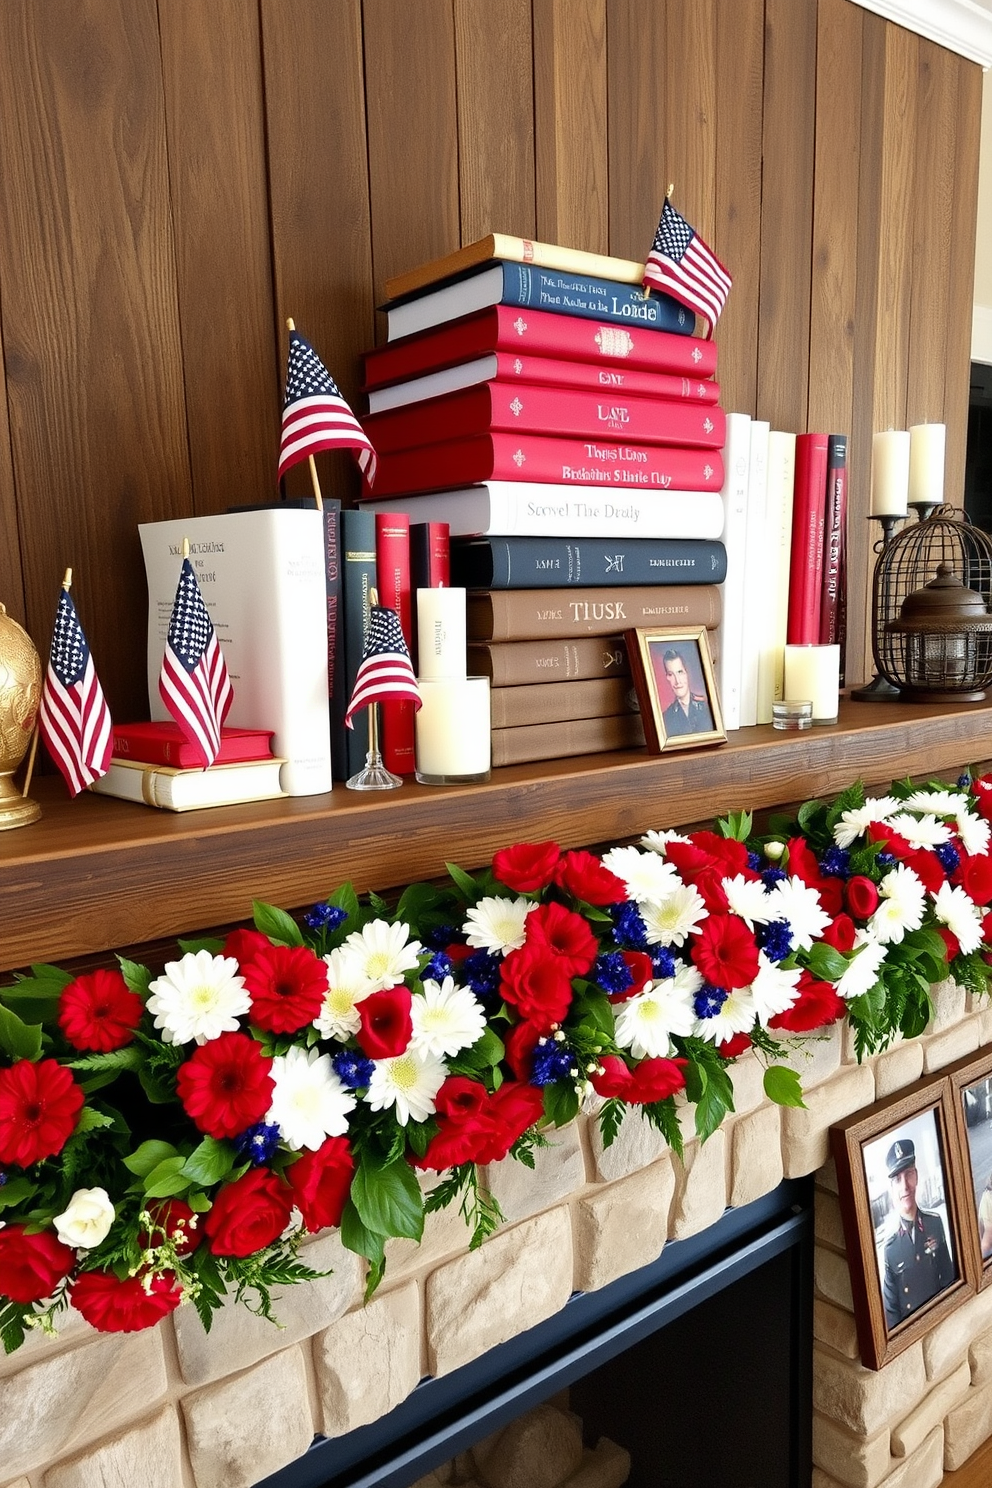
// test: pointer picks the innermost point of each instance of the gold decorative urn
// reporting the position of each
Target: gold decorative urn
(20, 694)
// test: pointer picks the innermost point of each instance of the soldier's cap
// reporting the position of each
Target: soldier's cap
(900, 1156)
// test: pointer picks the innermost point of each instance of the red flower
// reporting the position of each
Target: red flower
(536, 984)
(243, 944)
(460, 1142)
(804, 866)
(226, 1085)
(99, 1012)
(31, 1266)
(896, 844)
(562, 933)
(249, 1214)
(709, 850)
(584, 876)
(656, 1079)
(982, 792)
(862, 897)
(615, 1079)
(817, 1005)
(520, 1043)
(840, 934)
(951, 943)
(39, 1107)
(460, 1098)
(321, 1183)
(514, 1107)
(927, 867)
(640, 967)
(177, 1220)
(286, 985)
(387, 1026)
(527, 867)
(115, 1306)
(732, 1047)
(974, 874)
(725, 952)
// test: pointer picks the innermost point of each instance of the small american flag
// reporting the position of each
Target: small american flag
(386, 671)
(194, 683)
(73, 717)
(315, 416)
(681, 265)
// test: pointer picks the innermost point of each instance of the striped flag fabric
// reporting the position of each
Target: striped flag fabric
(681, 265)
(386, 671)
(315, 416)
(73, 718)
(194, 681)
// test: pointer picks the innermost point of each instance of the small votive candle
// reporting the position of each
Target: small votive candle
(814, 672)
(889, 473)
(792, 714)
(441, 632)
(454, 743)
(926, 463)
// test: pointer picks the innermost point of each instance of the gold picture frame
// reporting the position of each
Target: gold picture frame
(673, 674)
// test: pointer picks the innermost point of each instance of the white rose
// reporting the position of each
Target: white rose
(87, 1220)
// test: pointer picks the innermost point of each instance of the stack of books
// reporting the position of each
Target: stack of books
(153, 763)
(533, 398)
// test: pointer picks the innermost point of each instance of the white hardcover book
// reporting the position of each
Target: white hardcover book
(538, 509)
(777, 548)
(736, 462)
(755, 570)
(171, 789)
(261, 574)
(433, 384)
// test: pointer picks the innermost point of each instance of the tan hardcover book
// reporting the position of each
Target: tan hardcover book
(595, 697)
(518, 250)
(530, 614)
(540, 741)
(520, 663)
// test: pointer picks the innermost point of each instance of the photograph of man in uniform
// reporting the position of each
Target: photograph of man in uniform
(680, 672)
(915, 1261)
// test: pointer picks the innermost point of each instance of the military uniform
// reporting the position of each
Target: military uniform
(916, 1263)
(698, 720)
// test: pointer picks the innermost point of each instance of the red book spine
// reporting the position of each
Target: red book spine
(514, 407)
(834, 541)
(164, 744)
(392, 569)
(808, 520)
(545, 371)
(506, 328)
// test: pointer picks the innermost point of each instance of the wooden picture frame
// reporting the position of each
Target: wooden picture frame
(673, 676)
(971, 1086)
(909, 1266)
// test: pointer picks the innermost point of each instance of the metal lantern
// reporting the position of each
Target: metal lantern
(931, 623)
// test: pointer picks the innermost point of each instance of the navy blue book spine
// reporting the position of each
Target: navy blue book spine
(559, 562)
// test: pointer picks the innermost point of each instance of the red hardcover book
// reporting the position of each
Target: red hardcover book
(392, 569)
(834, 542)
(528, 409)
(529, 457)
(505, 328)
(165, 744)
(808, 520)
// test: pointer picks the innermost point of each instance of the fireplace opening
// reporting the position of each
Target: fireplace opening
(699, 1366)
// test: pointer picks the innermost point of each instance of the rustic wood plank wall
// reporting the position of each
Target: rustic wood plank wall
(178, 179)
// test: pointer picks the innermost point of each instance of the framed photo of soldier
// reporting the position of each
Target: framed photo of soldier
(673, 676)
(900, 1185)
(971, 1083)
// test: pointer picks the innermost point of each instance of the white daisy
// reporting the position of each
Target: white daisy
(408, 1083)
(657, 842)
(862, 973)
(800, 906)
(198, 998)
(644, 1023)
(903, 898)
(940, 802)
(688, 979)
(920, 831)
(646, 876)
(498, 925)
(962, 916)
(773, 990)
(670, 920)
(446, 1019)
(749, 899)
(854, 824)
(347, 986)
(309, 1102)
(974, 832)
(386, 953)
(735, 1015)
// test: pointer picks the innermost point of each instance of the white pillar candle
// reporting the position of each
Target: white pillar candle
(926, 462)
(441, 632)
(454, 743)
(890, 473)
(813, 673)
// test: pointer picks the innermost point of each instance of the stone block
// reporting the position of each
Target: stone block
(828, 1224)
(967, 1426)
(856, 1461)
(924, 1469)
(150, 1454)
(943, 1048)
(867, 1400)
(700, 1186)
(240, 1430)
(815, 1057)
(538, 1450)
(948, 1341)
(559, 1169)
(805, 1130)
(369, 1360)
(238, 1338)
(980, 1359)
(621, 1227)
(836, 1328)
(517, 1278)
(832, 1277)
(911, 1432)
(747, 1074)
(606, 1466)
(898, 1067)
(76, 1397)
(637, 1144)
(72, 1328)
(755, 1155)
(949, 1005)
(826, 1177)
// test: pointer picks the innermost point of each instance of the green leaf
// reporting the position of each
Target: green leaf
(610, 1119)
(130, 1058)
(417, 900)
(561, 1103)
(596, 1007)
(15, 1191)
(782, 1086)
(357, 1237)
(807, 814)
(736, 825)
(201, 943)
(209, 1163)
(18, 1039)
(147, 1157)
(464, 881)
(276, 924)
(90, 1120)
(826, 964)
(166, 1179)
(43, 972)
(137, 977)
(34, 1001)
(387, 1197)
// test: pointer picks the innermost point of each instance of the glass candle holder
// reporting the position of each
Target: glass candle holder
(792, 714)
(454, 743)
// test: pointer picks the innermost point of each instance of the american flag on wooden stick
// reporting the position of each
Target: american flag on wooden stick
(681, 265)
(386, 671)
(194, 682)
(315, 416)
(73, 718)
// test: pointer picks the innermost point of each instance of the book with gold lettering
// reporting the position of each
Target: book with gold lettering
(520, 250)
(534, 614)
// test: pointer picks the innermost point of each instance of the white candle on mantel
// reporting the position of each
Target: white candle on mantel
(813, 672)
(454, 741)
(889, 473)
(441, 632)
(926, 462)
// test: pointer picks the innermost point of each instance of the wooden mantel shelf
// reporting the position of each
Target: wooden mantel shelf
(96, 874)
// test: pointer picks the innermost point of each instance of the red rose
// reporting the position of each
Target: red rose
(816, 1005)
(243, 944)
(514, 1107)
(562, 933)
(639, 964)
(226, 1085)
(862, 897)
(927, 867)
(99, 1012)
(115, 1306)
(725, 855)
(249, 1214)
(387, 1026)
(31, 1266)
(459, 1097)
(520, 1043)
(614, 1080)
(804, 866)
(982, 792)
(732, 1047)
(656, 1079)
(458, 1142)
(584, 876)
(287, 985)
(974, 874)
(896, 844)
(321, 1183)
(39, 1106)
(725, 952)
(178, 1221)
(537, 985)
(840, 934)
(528, 866)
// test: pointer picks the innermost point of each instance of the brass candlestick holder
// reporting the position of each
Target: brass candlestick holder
(20, 694)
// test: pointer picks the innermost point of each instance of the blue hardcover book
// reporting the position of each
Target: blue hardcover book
(557, 563)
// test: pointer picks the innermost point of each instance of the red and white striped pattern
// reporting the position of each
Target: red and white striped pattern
(73, 718)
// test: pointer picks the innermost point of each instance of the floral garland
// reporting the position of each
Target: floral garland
(300, 1076)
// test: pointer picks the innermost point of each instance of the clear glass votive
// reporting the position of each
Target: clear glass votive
(453, 738)
(792, 713)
